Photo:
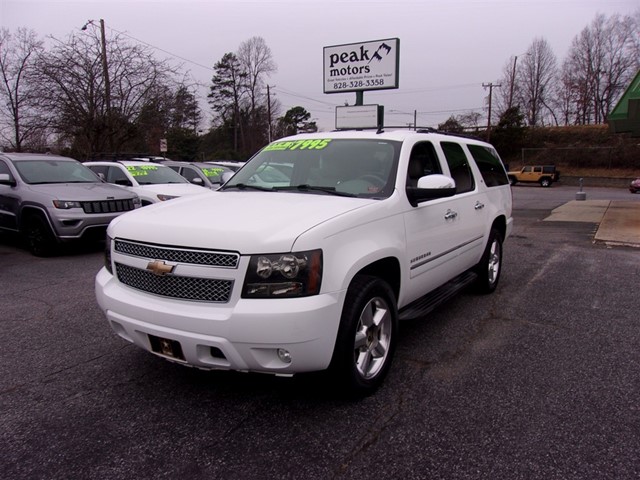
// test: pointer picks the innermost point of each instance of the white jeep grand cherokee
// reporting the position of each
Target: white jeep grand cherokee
(307, 258)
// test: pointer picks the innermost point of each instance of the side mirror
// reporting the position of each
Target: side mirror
(124, 182)
(5, 179)
(431, 187)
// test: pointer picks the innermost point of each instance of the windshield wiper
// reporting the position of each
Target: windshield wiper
(244, 186)
(312, 188)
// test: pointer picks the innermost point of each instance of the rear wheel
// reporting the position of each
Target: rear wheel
(40, 239)
(490, 266)
(367, 336)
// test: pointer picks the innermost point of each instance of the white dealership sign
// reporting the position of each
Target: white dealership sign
(362, 66)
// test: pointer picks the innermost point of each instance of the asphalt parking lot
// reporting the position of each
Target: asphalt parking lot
(537, 381)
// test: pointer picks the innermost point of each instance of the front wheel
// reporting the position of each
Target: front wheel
(490, 265)
(39, 237)
(367, 336)
(545, 182)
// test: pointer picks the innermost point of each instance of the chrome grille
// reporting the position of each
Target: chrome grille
(186, 288)
(194, 257)
(108, 206)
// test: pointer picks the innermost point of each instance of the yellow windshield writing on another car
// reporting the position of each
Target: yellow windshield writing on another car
(140, 170)
(317, 144)
(212, 172)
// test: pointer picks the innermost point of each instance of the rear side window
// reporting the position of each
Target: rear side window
(489, 164)
(459, 166)
(4, 168)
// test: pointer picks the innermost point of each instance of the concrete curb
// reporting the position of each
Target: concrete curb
(618, 221)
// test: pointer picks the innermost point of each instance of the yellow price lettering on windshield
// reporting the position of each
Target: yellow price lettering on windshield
(317, 144)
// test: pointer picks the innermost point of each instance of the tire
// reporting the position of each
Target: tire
(366, 338)
(490, 266)
(545, 182)
(38, 235)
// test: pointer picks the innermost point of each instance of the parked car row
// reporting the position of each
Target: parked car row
(50, 200)
(152, 182)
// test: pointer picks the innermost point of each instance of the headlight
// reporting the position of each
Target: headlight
(163, 197)
(297, 274)
(66, 204)
(107, 255)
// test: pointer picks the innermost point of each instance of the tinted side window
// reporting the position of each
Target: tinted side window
(459, 166)
(422, 161)
(5, 169)
(99, 170)
(115, 175)
(189, 173)
(489, 164)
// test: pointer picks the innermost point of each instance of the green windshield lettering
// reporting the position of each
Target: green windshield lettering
(140, 170)
(212, 172)
(317, 144)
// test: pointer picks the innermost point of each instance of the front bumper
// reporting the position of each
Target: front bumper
(74, 224)
(244, 336)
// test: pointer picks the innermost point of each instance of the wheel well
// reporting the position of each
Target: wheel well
(500, 224)
(387, 269)
(29, 212)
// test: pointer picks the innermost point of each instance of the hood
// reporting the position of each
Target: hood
(246, 222)
(177, 189)
(81, 191)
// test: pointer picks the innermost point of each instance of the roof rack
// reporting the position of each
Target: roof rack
(417, 130)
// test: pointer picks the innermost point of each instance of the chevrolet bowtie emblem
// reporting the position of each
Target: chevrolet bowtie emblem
(158, 267)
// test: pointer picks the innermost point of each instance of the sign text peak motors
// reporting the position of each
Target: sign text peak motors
(362, 66)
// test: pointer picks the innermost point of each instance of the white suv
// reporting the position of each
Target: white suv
(152, 182)
(371, 228)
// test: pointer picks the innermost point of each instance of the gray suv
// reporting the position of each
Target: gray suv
(51, 199)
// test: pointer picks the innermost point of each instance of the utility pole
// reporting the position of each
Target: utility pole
(269, 112)
(105, 69)
(513, 81)
(105, 74)
(490, 87)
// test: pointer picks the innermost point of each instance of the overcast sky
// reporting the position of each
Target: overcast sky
(448, 48)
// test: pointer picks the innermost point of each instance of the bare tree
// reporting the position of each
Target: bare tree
(74, 85)
(602, 60)
(536, 79)
(257, 62)
(20, 108)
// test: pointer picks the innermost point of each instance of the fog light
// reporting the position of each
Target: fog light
(284, 355)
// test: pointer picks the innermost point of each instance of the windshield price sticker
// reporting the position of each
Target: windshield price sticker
(212, 172)
(138, 171)
(317, 144)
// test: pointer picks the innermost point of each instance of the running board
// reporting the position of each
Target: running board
(426, 304)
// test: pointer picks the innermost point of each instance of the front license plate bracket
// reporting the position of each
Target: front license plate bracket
(167, 347)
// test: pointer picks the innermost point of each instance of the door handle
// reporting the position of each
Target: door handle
(479, 206)
(450, 215)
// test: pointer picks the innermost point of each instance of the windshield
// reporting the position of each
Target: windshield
(155, 174)
(54, 171)
(362, 168)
